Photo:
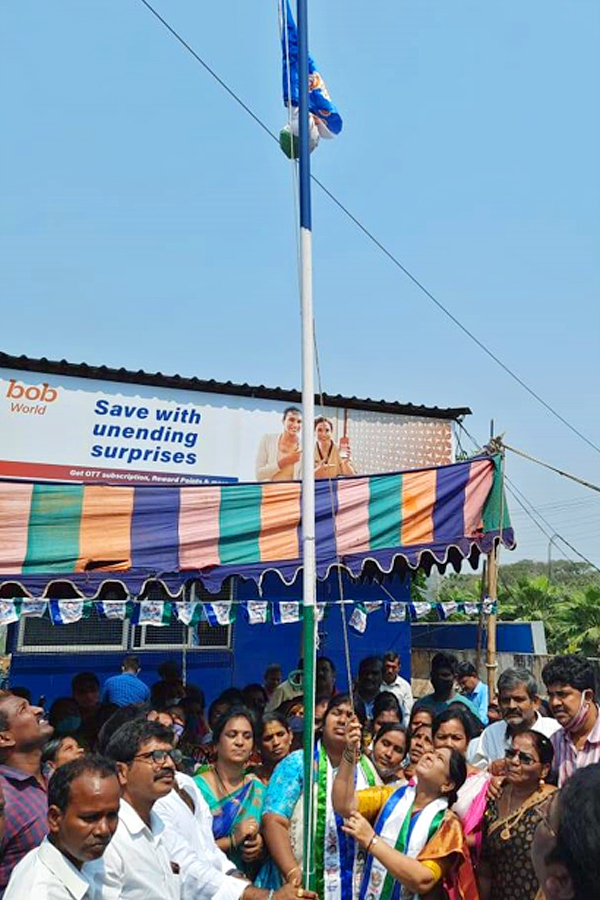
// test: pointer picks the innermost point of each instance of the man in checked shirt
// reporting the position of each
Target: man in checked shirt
(23, 733)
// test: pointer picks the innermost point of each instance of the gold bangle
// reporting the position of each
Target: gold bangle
(374, 840)
(295, 869)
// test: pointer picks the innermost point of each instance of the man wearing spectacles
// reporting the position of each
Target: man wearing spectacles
(137, 863)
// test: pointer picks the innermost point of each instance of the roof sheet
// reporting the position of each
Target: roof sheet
(180, 382)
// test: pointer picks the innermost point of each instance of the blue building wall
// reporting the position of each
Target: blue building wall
(253, 647)
(511, 637)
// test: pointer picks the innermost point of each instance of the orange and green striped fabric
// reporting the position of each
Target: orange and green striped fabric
(70, 528)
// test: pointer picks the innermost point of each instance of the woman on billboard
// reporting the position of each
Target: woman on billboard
(330, 460)
(279, 455)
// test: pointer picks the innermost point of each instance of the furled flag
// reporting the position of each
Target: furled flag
(324, 119)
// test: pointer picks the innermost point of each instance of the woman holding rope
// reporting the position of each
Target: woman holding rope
(416, 847)
(337, 861)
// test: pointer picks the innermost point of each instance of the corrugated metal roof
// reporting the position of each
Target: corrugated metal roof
(105, 373)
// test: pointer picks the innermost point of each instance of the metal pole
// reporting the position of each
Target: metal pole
(480, 621)
(308, 464)
(491, 663)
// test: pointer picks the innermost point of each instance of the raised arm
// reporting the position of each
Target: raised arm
(417, 877)
(343, 794)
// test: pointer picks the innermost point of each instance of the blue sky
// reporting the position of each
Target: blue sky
(147, 222)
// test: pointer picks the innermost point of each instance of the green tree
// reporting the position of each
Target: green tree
(579, 616)
(534, 599)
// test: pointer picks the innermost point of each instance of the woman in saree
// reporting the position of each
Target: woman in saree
(338, 865)
(275, 743)
(455, 728)
(416, 847)
(388, 751)
(234, 796)
(506, 870)
(386, 709)
(420, 741)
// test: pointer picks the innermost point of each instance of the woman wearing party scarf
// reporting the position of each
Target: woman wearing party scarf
(337, 862)
(417, 846)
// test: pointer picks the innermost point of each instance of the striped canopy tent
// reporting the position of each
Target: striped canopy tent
(89, 536)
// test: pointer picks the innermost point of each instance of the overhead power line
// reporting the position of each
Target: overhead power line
(506, 368)
(588, 484)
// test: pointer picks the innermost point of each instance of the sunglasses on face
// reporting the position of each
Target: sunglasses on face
(525, 758)
(158, 757)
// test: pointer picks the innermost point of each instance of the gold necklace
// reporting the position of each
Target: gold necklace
(518, 814)
(222, 787)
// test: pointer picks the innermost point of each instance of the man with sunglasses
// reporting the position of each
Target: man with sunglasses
(138, 862)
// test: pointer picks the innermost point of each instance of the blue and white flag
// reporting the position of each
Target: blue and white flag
(420, 608)
(286, 611)
(447, 609)
(258, 612)
(358, 620)
(152, 612)
(66, 612)
(396, 611)
(189, 612)
(324, 118)
(220, 612)
(10, 611)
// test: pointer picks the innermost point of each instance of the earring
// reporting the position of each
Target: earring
(542, 782)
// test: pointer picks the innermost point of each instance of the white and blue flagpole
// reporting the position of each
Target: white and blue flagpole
(308, 452)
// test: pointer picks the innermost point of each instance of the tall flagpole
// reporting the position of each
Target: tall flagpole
(308, 463)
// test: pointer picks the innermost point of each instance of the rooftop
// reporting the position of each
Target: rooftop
(179, 382)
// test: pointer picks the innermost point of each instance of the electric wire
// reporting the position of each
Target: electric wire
(549, 408)
(545, 465)
(532, 512)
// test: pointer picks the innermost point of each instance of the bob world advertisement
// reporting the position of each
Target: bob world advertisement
(64, 428)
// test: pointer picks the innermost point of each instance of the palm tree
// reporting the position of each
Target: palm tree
(534, 599)
(580, 620)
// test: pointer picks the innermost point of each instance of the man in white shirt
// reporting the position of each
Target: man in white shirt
(398, 686)
(164, 848)
(83, 811)
(206, 873)
(138, 865)
(519, 701)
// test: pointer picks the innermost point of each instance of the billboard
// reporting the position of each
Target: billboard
(65, 428)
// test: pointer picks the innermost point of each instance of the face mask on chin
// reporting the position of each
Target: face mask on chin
(579, 718)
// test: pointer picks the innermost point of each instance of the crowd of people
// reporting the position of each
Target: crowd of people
(124, 792)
